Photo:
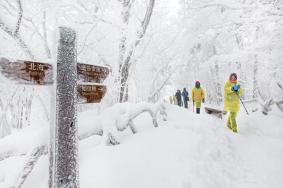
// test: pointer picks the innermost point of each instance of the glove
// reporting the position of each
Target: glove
(203, 100)
(235, 88)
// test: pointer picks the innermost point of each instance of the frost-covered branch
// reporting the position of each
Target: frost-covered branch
(122, 116)
(151, 98)
(17, 38)
(5, 129)
(125, 59)
(36, 140)
(33, 157)
(266, 105)
(20, 16)
(98, 132)
(83, 9)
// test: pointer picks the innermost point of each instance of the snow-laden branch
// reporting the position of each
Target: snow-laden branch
(125, 59)
(223, 6)
(109, 123)
(266, 105)
(33, 157)
(162, 85)
(5, 129)
(17, 38)
(42, 36)
(20, 143)
(142, 32)
(20, 16)
(122, 117)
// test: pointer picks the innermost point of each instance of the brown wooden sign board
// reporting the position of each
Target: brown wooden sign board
(27, 72)
(90, 93)
(91, 73)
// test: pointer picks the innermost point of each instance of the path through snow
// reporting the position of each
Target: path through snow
(187, 151)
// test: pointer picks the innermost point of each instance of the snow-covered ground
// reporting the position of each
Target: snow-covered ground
(186, 151)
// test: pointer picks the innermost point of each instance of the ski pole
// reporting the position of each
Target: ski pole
(243, 104)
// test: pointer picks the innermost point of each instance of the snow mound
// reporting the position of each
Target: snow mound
(187, 150)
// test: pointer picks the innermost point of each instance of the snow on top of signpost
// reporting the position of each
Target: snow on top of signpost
(39, 60)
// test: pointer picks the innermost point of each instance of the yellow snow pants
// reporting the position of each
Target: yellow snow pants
(231, 121)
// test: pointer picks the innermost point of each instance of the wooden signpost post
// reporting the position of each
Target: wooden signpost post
(76, 83)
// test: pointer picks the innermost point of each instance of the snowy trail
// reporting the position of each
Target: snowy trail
(198, 151)
(215, 163)
(187, 151)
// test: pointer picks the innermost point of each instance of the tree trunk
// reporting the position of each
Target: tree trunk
(218, 87)
(125, 61)
(33, 158)
(255, 75)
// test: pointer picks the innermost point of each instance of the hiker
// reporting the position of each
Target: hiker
(171, 99)
(198, 96)
(174, 99)
(179, 97)
(185, 95)
(232, 93)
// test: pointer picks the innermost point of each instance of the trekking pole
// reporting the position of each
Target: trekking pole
(243, 104)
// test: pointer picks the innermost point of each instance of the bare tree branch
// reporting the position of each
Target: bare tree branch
(20, 16)
(125, 63)
(15, 35)
(33, 158)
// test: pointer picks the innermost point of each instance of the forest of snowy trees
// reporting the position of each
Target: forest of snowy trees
(152, 48)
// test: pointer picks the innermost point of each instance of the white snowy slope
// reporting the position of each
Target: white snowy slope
(187, 151)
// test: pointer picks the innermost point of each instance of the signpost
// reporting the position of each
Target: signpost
(92, 73)
(66, 130)
(87, 75)
(91, 93)
(27, 72)
(76, 82)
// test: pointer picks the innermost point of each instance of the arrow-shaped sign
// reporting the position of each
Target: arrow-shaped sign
(91, 73)
(90, 93)
(31, 72)
(27, 72)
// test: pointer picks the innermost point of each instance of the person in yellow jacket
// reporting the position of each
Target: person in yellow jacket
(232, 92)
(198, 96)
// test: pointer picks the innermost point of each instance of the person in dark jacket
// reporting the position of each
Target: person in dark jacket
(185, 95)
(179, 97)
(198, 96)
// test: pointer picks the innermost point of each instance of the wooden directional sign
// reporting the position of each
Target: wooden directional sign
(37, 73)
(91, 73)
(90, 93)
(27, 72)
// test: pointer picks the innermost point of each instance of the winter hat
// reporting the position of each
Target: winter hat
(197, 84)
(235, 76)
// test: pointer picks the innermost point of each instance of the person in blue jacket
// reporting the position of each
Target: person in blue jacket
(185, 95)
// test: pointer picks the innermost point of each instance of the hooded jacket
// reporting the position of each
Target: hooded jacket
(231, 100)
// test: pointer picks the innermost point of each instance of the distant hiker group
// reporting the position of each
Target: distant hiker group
(182, 98)
(232, 93)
